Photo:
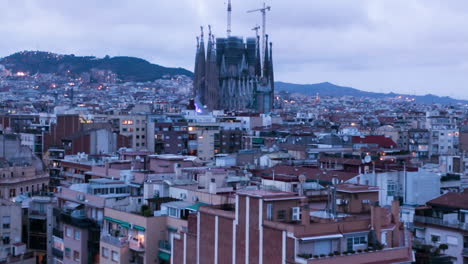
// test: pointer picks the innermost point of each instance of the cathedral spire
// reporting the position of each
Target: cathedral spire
(266, 62)
(258, 58)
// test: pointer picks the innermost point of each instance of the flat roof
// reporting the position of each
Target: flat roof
(270, 194)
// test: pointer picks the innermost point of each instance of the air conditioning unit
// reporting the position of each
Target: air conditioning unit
(339, 201)
(296, 213)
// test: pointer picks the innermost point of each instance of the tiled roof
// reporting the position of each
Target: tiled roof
(382, 141)
(452, 200)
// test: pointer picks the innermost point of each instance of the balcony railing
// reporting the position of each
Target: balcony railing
(57, 253)
(440, 222)
(136, 245)
(82, 222)
(115, 241)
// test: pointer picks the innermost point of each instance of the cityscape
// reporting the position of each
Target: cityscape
(115, 159)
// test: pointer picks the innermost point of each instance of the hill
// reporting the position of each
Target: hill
(126, 68)
(329, 89)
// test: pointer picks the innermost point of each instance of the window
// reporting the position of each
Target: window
(270, 211)
(115, 256)
(296, 213)
(451, 240)
(172, 212)
(77, 234)
(6, 238)
(6, 222)
(281, 215)
(67, 252)
(384, 238)
(69, 232)
(360, 240)
(435, 238)
(391, 188)
(76, 255)
(105, 252)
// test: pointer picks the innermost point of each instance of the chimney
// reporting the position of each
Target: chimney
(212, 186)
(396, 220)
(305, 212)
(376, 220)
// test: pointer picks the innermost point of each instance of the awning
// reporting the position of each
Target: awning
(124, 224)
(196, 206)
(164, 256)
(321, 237)
(257, 140)
(71, 205)
(137, 227)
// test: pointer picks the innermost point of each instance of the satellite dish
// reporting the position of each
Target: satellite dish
(367, 159)
(345, 138)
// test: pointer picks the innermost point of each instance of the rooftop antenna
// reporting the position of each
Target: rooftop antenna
(263, 11)
(229, 9)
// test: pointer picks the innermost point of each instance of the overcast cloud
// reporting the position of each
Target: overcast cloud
(407, 46)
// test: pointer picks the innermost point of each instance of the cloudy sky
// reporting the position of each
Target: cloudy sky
(407, 46)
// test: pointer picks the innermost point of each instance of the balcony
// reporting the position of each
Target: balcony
(57, 253)
(115, 241)
(164, 245)
(136, 245)
(37, 214)
(82, 222)
(58, 233)
(440, 222)
(19, 259)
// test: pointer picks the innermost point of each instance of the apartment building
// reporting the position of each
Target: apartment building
(444, 221)
(12, 249)
(80, 214)
(21, 178)
(281, 227)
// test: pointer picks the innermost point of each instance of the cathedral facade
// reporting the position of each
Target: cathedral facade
(232, 75)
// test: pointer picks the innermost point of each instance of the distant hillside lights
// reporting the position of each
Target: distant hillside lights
(21, 74)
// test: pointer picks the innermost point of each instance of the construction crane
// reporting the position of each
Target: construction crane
(263, 11)
(229, 9)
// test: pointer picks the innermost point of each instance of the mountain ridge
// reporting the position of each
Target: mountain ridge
(330, 89)
(127, 68)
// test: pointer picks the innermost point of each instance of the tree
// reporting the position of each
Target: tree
(443, 247)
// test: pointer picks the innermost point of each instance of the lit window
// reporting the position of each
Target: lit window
(69, 232)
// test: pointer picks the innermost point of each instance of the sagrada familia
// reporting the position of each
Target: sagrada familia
(234, 75)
